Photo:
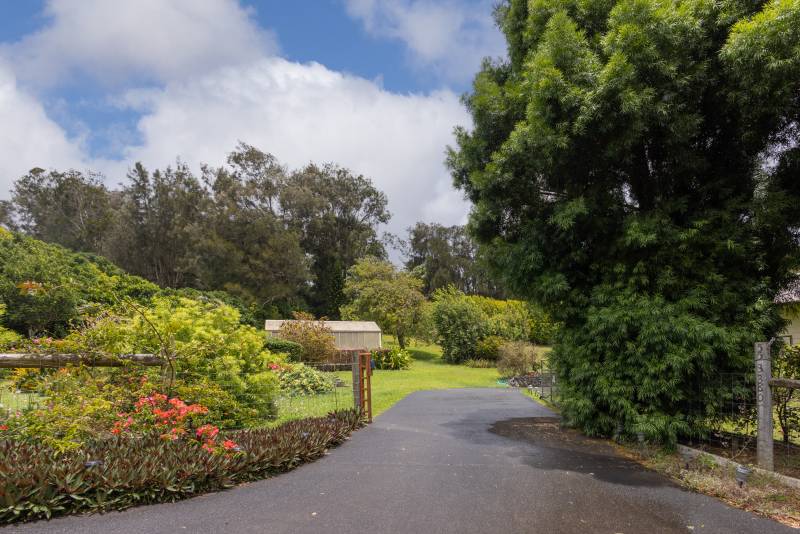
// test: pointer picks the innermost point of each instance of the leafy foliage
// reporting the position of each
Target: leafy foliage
(39, 482)
(76, 406)
(489, 348)
(448, 256)
(377, 291)
(316, 339)
(617, 168)
(392, 359)
(7, 337)
(300, 379)
(786, 364)
(294, 351)
(44, 287)
(518, 358)
(205, 342)
(460, 325)
(275, 239)
(472, 326)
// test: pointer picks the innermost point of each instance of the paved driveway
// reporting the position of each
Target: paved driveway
(431, 465)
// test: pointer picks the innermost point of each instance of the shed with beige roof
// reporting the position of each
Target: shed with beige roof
(347, 334)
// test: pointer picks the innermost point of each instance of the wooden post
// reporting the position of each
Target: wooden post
(37, 360)
(764, 402)
(356, 359)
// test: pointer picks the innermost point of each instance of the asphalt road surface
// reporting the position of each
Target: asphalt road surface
(441, 462)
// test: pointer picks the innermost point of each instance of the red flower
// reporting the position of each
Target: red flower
(3, 427)
(228, 444)
(209, 431)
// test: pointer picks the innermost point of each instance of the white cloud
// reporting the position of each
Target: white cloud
(306, 112)
(217, 84)
(114, 42)
(28, 138)
(448, 37)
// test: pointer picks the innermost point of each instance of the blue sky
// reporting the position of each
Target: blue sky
(373, 85)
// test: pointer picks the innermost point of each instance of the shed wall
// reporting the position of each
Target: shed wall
(793, 328)
(350, 340)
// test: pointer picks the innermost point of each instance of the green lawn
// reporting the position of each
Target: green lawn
(11, 401)
(427, 371)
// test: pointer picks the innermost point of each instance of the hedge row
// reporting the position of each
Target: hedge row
(37, 482)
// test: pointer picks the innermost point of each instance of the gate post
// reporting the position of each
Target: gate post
(764, 403)
(357, 387)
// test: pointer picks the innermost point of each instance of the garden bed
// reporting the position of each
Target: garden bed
(38, 482)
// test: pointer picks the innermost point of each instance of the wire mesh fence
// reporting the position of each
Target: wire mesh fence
(730, 429)
(337, 396)
(544, 386)
(330, 389)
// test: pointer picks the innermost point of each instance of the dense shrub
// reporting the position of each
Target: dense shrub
(37, 481)
(518, 358)
(316, 339)
(391, 359)
(45, 287)
(294, 351)
(7, 337)
(460, 324)
(299, 379)
(472, 326)
(205, 342)
(489, 348)
(76, 405)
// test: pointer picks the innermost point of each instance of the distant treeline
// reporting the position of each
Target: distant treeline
(274, 238)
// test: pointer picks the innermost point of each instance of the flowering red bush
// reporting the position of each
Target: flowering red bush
(172, 419)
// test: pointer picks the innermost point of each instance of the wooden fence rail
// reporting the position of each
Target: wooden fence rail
(36, 360)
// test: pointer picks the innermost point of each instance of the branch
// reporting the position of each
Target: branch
(36, 360)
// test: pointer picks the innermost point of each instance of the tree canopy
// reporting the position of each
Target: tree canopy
(448, 256)
(378, 291)
(276, 239)
(633, 166)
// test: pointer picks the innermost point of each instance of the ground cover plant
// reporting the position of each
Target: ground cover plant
(37, 481)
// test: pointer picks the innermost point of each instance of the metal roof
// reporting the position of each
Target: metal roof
(335, 326)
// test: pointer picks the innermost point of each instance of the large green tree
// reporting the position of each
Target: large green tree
(337, 214)
(448, 256)
(70, 208)
(634, 166)
(377, 291)
(244, 246)
(158, 216)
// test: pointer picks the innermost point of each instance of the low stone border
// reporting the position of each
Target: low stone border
(694, 453)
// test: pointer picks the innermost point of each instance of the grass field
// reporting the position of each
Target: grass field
(427, 371)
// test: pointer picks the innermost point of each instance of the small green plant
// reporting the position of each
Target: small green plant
(300, 379)
(393, 359)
